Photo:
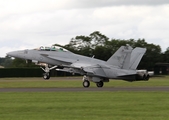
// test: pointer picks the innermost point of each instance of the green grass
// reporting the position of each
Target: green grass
(76, 82)
(84, 106)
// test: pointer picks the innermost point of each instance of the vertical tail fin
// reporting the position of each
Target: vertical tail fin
(121, 58)
(126, 57)
(136, 57)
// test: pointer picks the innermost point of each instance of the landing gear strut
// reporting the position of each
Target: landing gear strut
(46, 75)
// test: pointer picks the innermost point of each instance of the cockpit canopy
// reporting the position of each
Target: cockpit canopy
(52, 48)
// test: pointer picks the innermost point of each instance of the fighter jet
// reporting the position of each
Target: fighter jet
(121, 65)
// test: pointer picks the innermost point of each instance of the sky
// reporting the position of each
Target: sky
(28, 24)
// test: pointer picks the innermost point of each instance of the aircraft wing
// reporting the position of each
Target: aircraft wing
(79, 67)
(96, 70)
(88, 69)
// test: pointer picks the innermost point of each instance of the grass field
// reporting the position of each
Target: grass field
(75, 82)
(82, 105)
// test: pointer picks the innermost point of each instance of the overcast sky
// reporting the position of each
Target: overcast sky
(26, 24)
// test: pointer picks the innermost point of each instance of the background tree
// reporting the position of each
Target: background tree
(102, 48)
(85, 45)
(6, 62)
(17, 62)
(165, 56)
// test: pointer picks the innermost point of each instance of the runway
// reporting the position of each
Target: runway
(81, 89)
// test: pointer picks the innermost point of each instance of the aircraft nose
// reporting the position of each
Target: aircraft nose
(12, 54)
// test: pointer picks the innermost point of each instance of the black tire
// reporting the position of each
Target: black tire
(46, 76)
(100, 84)
(86, 83)
(147, 77)
(144, 77)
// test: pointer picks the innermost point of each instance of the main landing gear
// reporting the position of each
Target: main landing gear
(100, 84)
(86, 82)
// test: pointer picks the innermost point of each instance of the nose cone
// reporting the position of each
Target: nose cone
(12, 54)
(16, 54)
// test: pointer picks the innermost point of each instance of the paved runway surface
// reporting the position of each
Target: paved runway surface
(84, 89)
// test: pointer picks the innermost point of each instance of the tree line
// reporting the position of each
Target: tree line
(101, 47)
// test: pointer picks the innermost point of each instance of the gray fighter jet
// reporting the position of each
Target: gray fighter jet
(121, 65)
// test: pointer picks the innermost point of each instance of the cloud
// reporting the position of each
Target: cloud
(24, 7)
(29, 24)
(108, 3)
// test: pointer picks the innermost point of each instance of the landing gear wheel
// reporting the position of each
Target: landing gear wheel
(100, 84)
(147, 77)
(86, 83)
(46, 76)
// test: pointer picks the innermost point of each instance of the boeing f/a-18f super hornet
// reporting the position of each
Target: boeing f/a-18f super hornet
(121, 65)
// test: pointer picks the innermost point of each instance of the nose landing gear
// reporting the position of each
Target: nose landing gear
(86, 83)
(46, 75)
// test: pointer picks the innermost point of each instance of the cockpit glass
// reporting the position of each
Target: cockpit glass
(52, 48)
